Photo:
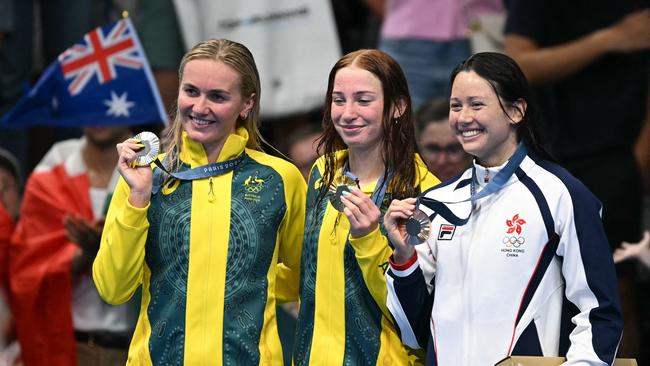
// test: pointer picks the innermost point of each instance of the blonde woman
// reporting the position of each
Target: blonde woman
(206, 250)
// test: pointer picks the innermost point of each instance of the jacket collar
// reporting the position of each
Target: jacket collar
(193, 153)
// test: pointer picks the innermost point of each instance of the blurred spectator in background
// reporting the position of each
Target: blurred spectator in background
(9, 205)
(57, 237)
(303, 144)
(639, 251)
(358, 23)
(33, 34)
(15, 69)
(158, 30)
(428, 38)
(10, 183)
(592, 78)
(437, 142)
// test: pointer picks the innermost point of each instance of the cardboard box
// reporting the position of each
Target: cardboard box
(552, 361)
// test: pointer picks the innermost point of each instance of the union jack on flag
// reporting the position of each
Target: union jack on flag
(98, 56)
(104, 79)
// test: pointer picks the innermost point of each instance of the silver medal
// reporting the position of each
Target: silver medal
(149, 152)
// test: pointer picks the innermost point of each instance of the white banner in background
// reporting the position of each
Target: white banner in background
(294, 42)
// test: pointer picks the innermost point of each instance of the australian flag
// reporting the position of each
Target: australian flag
(104, 79)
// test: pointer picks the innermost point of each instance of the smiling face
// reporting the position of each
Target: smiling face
(357, 107)
(479, 122)
(210, 102)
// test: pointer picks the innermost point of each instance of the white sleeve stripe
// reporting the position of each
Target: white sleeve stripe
(395, 308)
(405, 272)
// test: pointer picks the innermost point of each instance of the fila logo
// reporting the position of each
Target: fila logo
(446, 232)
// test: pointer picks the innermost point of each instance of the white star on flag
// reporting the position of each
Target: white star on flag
(118, 106)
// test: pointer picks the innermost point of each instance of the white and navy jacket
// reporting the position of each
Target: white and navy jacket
(530, 273)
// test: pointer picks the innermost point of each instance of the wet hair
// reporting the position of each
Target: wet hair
(511, 87)
(240, 59)
(435, 110)
(398, 142)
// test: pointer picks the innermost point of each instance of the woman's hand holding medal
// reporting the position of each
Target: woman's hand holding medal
(395, 221)
(362, 213)
(135, 155)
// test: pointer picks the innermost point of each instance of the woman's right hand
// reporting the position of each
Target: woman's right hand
(139, 178)
(395, 223)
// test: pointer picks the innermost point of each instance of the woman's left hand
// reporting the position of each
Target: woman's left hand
(361, 212)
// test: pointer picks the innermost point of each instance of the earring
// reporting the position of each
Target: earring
(396, 120)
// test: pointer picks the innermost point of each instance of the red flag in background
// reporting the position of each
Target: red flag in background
(40, 258)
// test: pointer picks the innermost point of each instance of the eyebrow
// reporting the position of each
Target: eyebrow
(471, 97)
(356, 93)
(222, 91)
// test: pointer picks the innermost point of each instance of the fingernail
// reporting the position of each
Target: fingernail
(345, 193)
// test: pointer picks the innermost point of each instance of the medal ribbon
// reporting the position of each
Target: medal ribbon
(203, 171)
(495, 185)
(380, 190)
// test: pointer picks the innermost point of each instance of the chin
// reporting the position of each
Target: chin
(351, 144)
(197, 135)
(473, 148)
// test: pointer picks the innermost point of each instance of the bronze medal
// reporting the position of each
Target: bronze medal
(418, 227)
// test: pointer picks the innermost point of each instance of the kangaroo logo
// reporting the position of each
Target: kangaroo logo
(253, 184)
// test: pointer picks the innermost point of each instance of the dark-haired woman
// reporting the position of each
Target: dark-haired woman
(370, 157)
(517, 257)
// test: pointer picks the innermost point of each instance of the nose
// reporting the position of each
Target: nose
(465, 115)
(349, 112)
(442, 158)
(200, 106)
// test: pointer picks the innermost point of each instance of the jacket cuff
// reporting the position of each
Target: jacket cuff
(134, 216)
(360, 244)
(406, 268)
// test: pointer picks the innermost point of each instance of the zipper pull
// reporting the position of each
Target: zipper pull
(211, 192)
(334, 235)
(486, 178)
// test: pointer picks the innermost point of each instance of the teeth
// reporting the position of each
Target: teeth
(201, 122)
(470, 133)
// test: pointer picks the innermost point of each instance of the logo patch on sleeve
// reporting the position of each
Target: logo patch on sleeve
(446, 232)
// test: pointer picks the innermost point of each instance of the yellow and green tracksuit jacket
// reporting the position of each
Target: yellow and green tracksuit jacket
(343, 315)
(206, 254)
